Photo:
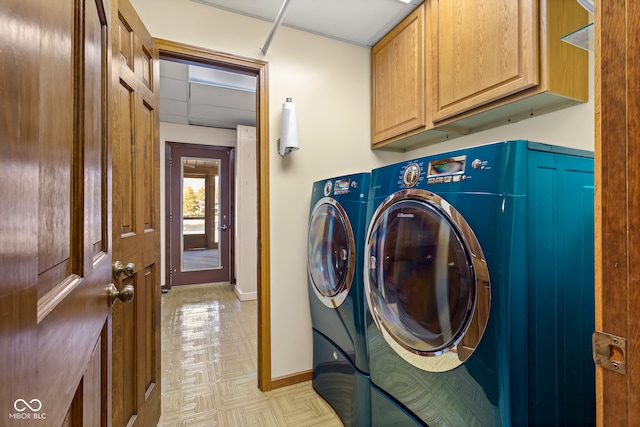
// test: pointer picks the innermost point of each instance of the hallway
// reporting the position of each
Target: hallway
(209, 366)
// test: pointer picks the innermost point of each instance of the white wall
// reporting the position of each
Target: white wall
(572, 127)
(246, 229)
(329, 83)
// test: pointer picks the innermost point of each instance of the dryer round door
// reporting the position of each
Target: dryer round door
(426, 280)
(331, 252)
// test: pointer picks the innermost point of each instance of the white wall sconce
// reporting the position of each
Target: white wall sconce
(288, 140)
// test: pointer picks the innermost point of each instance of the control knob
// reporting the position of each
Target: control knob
(411, 175)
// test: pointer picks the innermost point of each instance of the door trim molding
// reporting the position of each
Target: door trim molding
(259, 69)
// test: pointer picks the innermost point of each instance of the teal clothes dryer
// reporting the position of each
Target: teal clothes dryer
(479, 288)
(335, 258)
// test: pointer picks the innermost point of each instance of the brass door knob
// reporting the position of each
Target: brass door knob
(124, 295)
(119, 268)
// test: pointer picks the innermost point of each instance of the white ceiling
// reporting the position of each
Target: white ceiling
(201, 96)
(360, 22)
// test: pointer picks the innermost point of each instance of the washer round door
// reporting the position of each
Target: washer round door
(426, 280)
(331, 252)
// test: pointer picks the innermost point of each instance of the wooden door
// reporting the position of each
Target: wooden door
(482, 51)
(136, 220)
(617, 153)
(55, 256)
(200, 243)
(398, 74)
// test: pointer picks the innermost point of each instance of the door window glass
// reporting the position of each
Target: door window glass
(200, 242)
(328, 250)
(421, 284)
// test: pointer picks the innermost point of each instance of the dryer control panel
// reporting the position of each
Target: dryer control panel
(340, 186)
(346, 188)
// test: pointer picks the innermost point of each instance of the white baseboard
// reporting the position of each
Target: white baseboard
(245, 296)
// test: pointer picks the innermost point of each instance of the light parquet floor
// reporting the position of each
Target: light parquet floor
(209, 367)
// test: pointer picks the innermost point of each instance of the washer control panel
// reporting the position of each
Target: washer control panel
(443, 170)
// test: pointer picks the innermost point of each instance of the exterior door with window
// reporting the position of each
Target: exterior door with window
(200, 219)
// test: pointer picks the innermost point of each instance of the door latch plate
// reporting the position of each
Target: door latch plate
(610, 351)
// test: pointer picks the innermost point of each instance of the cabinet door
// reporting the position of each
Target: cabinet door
(483, 50)
(398, 79)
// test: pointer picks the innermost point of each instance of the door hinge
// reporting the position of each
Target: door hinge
(610, 351)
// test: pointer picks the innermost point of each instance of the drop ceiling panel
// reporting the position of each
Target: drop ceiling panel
(173, 89)
(172, 107)
(221, 96)
(222, 78)
(171, 118)
(174, 70)
(216, 123)
(203, 104)
(213, 113)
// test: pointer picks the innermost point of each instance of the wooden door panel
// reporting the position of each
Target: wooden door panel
(124, 197)
(55, 141)
(54, 176)
(148, 168)
(146, 327)
(136, 350)
(123, 370)
(75, 263)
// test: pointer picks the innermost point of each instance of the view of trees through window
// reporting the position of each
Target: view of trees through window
(193, 205)
(193, 201)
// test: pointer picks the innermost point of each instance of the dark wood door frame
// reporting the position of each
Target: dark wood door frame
(195, 55)
(617, 183)
(174, 151)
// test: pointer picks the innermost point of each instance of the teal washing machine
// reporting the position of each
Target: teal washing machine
(335, 258)
(479, 288)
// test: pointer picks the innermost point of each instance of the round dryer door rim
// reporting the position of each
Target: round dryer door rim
(462, 345)
(335, 300)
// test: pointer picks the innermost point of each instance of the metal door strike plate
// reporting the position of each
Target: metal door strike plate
(609, 351)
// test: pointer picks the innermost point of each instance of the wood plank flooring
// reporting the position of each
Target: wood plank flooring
(209, 367)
